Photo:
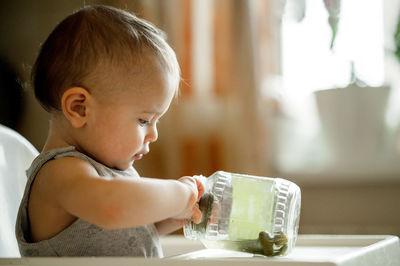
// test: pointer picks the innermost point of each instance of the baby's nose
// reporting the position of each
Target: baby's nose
(152, 135)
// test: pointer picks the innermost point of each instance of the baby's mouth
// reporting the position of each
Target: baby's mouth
(138, 156)
(141, 153)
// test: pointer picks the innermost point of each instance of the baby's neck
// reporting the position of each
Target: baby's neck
(59, 134)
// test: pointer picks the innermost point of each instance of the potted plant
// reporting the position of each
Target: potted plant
(353, 123)
(352, 118)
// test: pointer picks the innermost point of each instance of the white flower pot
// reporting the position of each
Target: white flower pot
(353, 124)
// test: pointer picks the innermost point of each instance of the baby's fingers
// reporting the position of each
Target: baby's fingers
(196, 215)
(200, 180)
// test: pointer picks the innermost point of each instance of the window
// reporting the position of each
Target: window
(308, 65)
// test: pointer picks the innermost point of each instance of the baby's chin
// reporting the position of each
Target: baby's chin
(122, 166)
(123, 162)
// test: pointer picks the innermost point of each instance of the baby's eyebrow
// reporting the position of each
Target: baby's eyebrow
(154, 110)
(151, 112)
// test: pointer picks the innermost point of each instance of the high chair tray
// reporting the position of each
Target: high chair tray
(354, 250)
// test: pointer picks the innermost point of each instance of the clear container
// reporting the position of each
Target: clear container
(247, 213)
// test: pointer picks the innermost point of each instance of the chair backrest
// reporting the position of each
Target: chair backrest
(16, 155)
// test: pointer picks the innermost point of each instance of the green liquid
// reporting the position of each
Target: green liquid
(252, 207)
(265, 244)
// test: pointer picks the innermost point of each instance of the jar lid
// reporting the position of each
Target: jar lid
(287, 209)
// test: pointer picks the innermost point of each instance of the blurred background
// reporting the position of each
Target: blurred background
(306, 90)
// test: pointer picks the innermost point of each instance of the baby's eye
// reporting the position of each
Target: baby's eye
(144, 122)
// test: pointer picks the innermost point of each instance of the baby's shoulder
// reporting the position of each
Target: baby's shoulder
(64, 170)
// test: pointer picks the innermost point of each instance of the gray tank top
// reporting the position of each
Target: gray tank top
(83, 238)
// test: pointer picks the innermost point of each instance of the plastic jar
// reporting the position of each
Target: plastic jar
(248, 213)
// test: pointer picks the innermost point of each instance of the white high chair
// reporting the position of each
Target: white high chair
(16, 155)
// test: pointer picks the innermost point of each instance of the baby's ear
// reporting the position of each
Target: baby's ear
(74, 104)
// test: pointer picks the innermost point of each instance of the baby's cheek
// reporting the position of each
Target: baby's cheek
(125, 147)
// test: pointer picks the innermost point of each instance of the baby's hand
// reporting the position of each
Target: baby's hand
(192, 211)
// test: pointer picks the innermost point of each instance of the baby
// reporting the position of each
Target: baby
(106, 77)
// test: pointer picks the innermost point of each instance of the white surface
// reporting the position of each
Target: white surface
(310, 250)
(324, 250)
(16, 155)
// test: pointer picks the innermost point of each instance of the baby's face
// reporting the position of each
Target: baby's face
(120, 131)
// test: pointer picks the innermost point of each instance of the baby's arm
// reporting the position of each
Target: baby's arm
(116, 203)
